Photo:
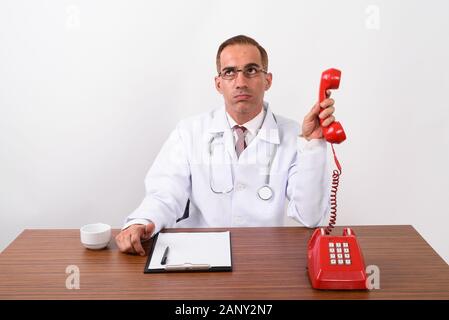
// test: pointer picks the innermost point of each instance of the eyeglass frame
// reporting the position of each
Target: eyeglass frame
(249, 65)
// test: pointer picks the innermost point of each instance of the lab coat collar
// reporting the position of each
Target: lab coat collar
(268, 132)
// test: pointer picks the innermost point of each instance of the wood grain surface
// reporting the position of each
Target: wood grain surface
(268, 263)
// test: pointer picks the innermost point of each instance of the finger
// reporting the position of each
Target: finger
(123, 242)
(328, 93)
(119, 242)
(127, 243)
(328, 121)
(137, 246)
(327, 112)
(126, 246)
(326, 103)
(149, 228)
(313, 113)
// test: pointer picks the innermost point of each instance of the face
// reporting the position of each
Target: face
(242, 95)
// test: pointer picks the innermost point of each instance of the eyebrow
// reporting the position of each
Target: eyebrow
(252, 64)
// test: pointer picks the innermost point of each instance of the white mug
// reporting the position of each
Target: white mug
(95, 236)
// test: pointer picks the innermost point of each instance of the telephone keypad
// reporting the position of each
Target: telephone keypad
(343, 257)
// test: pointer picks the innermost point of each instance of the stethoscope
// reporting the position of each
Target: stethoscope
(265, 192)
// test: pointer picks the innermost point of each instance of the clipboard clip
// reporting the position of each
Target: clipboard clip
(186, 267)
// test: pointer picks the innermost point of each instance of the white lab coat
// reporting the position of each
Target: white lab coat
(182, 171)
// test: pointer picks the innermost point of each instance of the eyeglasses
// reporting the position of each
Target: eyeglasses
(249, 71)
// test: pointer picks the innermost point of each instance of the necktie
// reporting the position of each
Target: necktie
(241, 144)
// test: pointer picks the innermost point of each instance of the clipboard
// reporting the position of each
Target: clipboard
(190, 252)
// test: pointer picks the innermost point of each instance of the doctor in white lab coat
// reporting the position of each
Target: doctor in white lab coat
(238, 165)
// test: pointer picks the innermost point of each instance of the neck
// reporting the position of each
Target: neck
(243, 117)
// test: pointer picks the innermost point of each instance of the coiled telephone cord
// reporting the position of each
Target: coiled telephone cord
(333, 197)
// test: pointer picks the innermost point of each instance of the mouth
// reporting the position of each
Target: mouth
(241, 97)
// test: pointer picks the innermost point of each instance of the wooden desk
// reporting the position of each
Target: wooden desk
(269, 263)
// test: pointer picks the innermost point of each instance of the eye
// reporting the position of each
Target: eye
(228, 72)
(251, 70)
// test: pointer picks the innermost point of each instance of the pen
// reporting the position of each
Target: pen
(164, 257)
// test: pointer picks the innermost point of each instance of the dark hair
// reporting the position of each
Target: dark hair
(242, 39)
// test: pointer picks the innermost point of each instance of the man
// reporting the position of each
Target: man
(239, 164)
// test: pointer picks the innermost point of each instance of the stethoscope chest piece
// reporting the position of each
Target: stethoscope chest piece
(265, 193)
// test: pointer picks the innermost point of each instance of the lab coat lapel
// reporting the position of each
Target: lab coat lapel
(261, 148)
(220, 124)
(269, 130)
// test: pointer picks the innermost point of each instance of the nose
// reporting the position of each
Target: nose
(240, 80)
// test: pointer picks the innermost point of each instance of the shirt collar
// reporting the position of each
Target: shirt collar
(252, 125)
(268, 132)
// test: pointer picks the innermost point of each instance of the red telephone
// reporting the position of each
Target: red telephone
(334, 262)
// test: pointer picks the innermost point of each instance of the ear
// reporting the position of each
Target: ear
(268, 80)
(218, 84)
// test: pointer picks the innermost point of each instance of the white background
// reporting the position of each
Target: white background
(89, 91)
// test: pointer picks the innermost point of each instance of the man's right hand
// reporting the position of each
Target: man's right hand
(129, 240)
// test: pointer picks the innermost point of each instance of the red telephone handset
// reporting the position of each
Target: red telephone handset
(334, 262)
(330, 79)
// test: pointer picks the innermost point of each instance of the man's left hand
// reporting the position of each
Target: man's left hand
(311, 128)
